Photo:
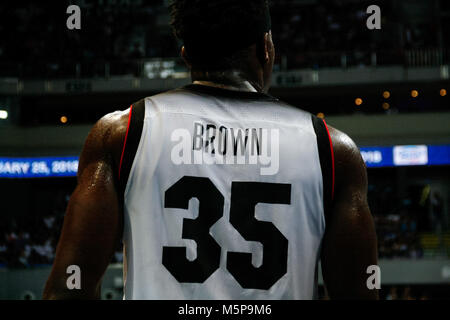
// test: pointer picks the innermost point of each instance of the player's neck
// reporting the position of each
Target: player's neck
(244, 86)
(231, 80)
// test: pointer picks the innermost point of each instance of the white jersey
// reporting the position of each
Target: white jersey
(224, 195)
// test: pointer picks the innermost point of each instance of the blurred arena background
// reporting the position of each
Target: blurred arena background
(388, 89)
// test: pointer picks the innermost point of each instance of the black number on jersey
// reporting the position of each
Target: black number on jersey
(208, 250)
(244, 197)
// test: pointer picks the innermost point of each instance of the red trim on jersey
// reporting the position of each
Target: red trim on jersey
(332, 160)
(125, 142)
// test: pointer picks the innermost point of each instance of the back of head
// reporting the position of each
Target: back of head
(216, 32)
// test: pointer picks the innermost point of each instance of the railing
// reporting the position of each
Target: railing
(172, 67)
(407, 58)
(436, 244)
(427, 57)
(150, 68)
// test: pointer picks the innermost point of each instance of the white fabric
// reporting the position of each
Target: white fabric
(148, 226)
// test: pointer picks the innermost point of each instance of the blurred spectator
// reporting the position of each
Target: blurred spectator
(33, 240)
(437, 211)
(407, 294)
(392, 295)
(425, 295)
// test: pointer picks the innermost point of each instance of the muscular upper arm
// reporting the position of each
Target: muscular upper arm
(349, 245)
(93, 221)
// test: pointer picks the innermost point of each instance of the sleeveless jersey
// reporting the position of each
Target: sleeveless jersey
(224, 195)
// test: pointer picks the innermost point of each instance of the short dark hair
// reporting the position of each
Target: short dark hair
(217, 33)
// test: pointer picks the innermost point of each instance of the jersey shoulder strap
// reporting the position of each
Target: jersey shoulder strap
(326, 155)
(131, 143)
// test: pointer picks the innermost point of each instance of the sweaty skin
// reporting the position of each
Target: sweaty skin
(349, 245)
(93, 222)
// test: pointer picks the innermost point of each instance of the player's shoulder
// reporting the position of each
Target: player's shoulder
(109, 132)
(114, 125)
(343, 145)
(111, 126)
(349, 164)
(114, 119)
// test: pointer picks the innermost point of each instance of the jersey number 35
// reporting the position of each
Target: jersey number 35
(244, 197)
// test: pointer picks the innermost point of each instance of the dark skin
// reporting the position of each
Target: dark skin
(94, 218)
(93, 222)
(350, 244)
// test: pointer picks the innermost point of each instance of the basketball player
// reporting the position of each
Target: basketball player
(218, 190)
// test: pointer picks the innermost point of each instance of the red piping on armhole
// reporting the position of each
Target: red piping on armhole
(332, 160)
(125, 142)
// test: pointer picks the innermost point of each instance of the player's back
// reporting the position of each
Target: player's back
(224, 197)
